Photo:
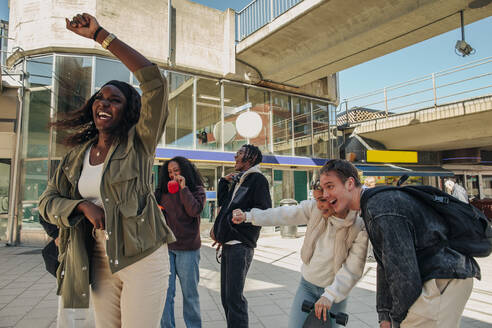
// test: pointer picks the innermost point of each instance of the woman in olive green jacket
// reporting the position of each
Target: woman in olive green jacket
(112, 233)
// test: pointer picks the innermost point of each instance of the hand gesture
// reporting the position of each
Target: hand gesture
(181, 180)
(385, 324)
(321, 307)
(212, 235)
(238, 216)
(93, 213)
(230, 176)
(83, 24)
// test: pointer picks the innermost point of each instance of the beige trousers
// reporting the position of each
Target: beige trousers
(440, 304)
(132, 297)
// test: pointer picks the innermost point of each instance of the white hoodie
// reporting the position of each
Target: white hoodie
(334, 250)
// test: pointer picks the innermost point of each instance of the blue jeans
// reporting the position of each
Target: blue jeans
(308, 291)
(234, 266)
(185, 265)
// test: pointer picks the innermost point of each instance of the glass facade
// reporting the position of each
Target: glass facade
(487, 186)
(4, 196)
(208, 114)
(321, 128)
(203, 114)
(235, 102)
(302, 127)
(72, 87)
(37, 113)
(282, 124)
(179, 126)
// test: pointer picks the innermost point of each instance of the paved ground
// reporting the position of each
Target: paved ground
(27, 292)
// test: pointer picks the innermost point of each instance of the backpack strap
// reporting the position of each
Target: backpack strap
(369, 192)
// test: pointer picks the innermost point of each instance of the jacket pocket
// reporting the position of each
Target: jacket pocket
(138, 230)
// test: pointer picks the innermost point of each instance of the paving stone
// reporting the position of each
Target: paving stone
(274, 321)
(9, 320)
(28, 294)
(36, 322)
(15, 310)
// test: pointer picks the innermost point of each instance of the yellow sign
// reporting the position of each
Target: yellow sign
(392, 156)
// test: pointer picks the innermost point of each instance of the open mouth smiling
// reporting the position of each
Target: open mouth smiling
(104, 116)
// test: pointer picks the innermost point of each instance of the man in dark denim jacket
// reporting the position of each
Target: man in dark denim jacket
(414, 288)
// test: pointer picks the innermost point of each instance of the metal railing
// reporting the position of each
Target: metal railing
(259, 13)
(470, 80)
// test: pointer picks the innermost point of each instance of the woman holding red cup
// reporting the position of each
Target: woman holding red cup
(182, 197)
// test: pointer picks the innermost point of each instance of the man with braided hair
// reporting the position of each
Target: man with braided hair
(245, 189)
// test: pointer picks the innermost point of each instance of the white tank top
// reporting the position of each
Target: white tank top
(90, 180)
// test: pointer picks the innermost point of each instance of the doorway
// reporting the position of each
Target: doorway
(4, 196)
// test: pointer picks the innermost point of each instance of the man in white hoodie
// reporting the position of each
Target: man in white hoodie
(333, 253)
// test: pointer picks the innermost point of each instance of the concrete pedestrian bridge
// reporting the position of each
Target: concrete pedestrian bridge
(316, 38)
(458, 125)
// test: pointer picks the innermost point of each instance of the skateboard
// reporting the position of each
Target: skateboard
(313, 322)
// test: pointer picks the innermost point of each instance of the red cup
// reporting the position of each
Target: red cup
(173, 186)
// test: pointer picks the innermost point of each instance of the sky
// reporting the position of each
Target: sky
(424, 58)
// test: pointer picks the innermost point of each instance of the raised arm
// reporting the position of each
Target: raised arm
(86, 25)
(153, 113)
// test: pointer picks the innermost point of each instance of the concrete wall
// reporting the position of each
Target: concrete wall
(7, 146)
(8, 113)
(8, 104)
(204, 37)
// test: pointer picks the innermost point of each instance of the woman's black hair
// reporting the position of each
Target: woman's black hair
(188, 171)
(80, 122)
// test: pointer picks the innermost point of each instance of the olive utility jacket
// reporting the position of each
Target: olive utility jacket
(135, 226)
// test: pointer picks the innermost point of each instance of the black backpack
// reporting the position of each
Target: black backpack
(470, 232)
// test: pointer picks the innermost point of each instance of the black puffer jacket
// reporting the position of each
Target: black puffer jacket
(252, 192)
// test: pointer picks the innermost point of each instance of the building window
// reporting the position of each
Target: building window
(487, 186)
(208, 115)
(72, 88)
(179, 125)
(110, 69)
(235, 103)
(4, 195)
(302, 127)
(282, 124)
(260, 103)
(321, 124)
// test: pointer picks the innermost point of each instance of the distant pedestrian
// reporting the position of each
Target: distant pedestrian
(457, 191)
(112, 233)
(245, 189)
(182, 212)
(370, 182)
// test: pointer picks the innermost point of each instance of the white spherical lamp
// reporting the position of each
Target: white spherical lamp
(249, 124)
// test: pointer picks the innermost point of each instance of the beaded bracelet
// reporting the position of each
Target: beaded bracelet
(96, 33)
